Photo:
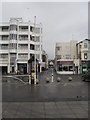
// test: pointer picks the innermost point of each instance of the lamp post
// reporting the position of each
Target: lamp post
(35, 49)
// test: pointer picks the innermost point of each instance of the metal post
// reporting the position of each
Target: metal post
(29, 73)
(35, 48)
(29, 79)
(52, 75)
(37, 72)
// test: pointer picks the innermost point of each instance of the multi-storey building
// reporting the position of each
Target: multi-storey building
(65, 55)
(18, 41)
(83, 55)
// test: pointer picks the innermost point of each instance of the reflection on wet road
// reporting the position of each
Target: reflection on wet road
(15, 90)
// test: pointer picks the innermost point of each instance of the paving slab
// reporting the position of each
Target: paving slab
(44, 110)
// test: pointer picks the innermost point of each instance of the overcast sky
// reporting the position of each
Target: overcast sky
(62, 21)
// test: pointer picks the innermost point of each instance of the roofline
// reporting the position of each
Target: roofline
(82, 41)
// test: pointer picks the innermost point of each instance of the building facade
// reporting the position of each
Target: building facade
(65, 55)
(83, 55)
(19, 41)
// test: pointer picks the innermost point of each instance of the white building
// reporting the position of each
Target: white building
(65, 55)
(83, 55)
(17, 44)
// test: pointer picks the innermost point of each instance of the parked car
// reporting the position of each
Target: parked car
(86, 76)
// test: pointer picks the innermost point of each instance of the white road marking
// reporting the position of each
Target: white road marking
(16, 78)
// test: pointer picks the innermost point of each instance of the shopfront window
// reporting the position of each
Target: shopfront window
(65, 68)
(60, 68)
(70, 68)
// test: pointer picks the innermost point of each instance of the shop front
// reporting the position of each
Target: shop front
(85, 65)
(65, 67)
(4, 70)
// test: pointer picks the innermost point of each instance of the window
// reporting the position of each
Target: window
(31, 29)
(41, 47)
(13, 46)
(5, 37)
(23, 28)
(23, 37)
(85, 45)
(32, 57)
(58, 57)
(60, 68)
(12, 59)
(23, 56)
(13, 36)
(4, 46)
(58, 48)
(68, 56)
(65, 68)
(5, 28)
(13, 27)
(85, 56)
(70, 68)
(67, 47)
(37, 38)
(4, 56)
(32, 38)
(37, 47)
(32, 47)
(37, 30)
(23, 46)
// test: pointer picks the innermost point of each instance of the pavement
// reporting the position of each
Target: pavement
(69, 109)
(64, 99)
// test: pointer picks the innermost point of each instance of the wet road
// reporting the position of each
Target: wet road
(16, 91)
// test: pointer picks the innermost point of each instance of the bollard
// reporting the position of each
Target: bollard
(37, 82)
(29, 79)
(58, 79)
(70, 78)
(52, 77)
(47, 80)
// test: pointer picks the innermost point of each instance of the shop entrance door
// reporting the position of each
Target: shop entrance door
(12, 69)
